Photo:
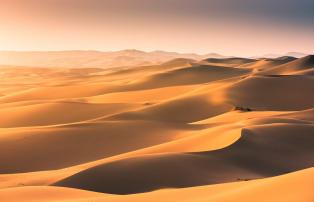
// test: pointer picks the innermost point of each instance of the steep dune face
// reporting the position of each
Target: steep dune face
(273, 93)
(246, 159)
(294, 67)
(185, 110)
(265, 64)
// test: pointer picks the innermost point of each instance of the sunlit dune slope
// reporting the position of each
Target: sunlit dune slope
(57, 113)
(196, 74)
(147, 97)
(267, 63)
(186, 110)
(229, 61)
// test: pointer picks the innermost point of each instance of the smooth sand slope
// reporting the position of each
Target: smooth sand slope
(298, 66)
(78, 143)
(248, 158)
(281, 188)
(219, 129)
(57, 113)
(273, 93)
(267, 63)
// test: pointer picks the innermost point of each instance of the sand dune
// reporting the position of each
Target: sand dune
(57, 113)
(248, 158)
(41, 194)
(270, 189)
(265, 64)
(293, 67)
(273, 93)
(55, 92)
(142, 71)
(217, 129)
(148, 97)
(229, 61)
(84, 142)
(196, 74)
(280, 188)
(185, 110)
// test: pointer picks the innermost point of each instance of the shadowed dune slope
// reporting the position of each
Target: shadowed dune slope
(57, 113)
(75, 144)
(280, 188)
(265, 64)
(246, 159)
(273, 93)
(148, 70)
(306, 115)
(233, 61)
(196, 74)
(185, 110)
(293, 67)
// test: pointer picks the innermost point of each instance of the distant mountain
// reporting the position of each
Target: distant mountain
(232, 60)
(94, 59)
(267, 56)
(285, 58)
(296, 54)
(291, 54)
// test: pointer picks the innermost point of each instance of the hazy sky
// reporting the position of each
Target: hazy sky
(232, 27)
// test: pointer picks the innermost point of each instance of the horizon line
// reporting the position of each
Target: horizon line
(152, 51)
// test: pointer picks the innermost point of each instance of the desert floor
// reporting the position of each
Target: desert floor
(231, 129)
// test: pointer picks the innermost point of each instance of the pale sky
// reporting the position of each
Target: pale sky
(230, 27)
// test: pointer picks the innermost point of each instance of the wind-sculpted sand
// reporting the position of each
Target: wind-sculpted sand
(216, 129)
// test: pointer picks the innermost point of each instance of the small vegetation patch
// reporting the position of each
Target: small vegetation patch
(243, 109)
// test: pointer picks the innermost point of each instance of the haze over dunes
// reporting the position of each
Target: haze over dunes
(170, 127)
(93, 59)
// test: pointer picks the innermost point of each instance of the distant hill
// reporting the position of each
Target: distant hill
(296, 54)
(94, 59)
(233, 60)
(291, 54)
